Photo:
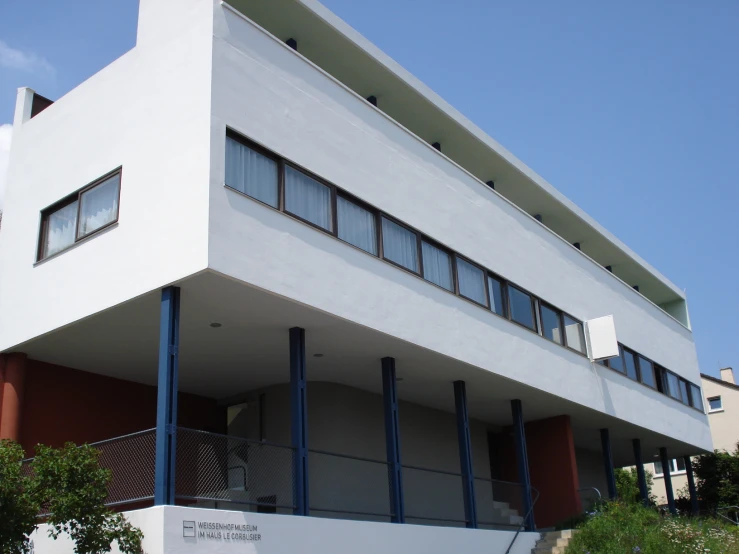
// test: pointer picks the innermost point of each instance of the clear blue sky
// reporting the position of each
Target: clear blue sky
(629, 108)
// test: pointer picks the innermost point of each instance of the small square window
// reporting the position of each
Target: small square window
(715, 404)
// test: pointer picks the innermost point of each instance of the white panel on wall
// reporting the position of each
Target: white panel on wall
(601, 333)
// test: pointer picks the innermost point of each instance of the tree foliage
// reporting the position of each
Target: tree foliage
(72, 487)
(717, 479)
(627, 485)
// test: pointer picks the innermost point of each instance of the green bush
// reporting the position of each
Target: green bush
(624, 528)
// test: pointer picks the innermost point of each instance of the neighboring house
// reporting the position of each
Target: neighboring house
(285, 277)
(721, 398)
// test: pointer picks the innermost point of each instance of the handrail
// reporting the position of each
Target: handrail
(727, 518)
(600, 496)
(525, 519)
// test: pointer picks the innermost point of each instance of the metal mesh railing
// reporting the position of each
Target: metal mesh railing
(348, 487)
(433, 497)
(499, 503)
(215, 469)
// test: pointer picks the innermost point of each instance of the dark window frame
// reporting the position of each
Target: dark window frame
(452, 263)
(560, 321)
(71, 199)
(503, 294)
(419, 254)
(582, 334)
(639, 358)
(332, 191)
(533, 298)
(259, 149)
(362, 204)
(455, 257)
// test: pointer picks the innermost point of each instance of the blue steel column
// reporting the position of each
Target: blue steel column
(691, 485)
(166, 430)
(519, 438)
(465, 453)
(641, 476)
(299, 418)
(392, 440)
(605, 441)
(667, 479)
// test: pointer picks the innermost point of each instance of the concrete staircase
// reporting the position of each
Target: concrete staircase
(554, 542)
(503, 514)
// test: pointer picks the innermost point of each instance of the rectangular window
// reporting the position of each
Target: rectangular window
(550, 324)
(646, 371)
(673, 385)
(437, 266)
(521, 306)
(715, 404)
(356, 225)
(684, 392)
(497, 302)
(617, 363)
(630, 364)
(574, 334)
(695, 397)
(85, 212)
(251, 172)
(471, 282)
(399, 245)
(658, 468)
(677, 465)
(307, 198)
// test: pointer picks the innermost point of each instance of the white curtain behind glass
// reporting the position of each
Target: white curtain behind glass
(356, 225)
(471, 281)
(574, 335)
(250, 172)
(399, 245)
(60, 229)
(437, 266)
(99, 206)
(307, 198)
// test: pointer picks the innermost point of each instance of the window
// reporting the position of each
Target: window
(715, 404)
(437, 266)
(574, 334)
(550, 324)
(646, 372)
(522, 307)
(497, 302)
(673, 385)
(630, 364)
(695, 397)
(91, 209)
(307, 198)
(617, 363)
(684, 392)
(471, 282)
(356, 225)
(399, 245)
(251, 172)
(677, 465)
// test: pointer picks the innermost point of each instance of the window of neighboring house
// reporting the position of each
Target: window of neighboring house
(251, 172)
(630, 364)
(550, 323)
(471, 281)
(399, 245)
(521, 307)
(85, 212)
(308, 199)
(437, 266)
(356, 225)
(646, 372)
(677, 465)
(574, 334)
(696, 400)
(715, 404)
(497, 296)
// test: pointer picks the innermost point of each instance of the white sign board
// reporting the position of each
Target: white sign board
(601, 333)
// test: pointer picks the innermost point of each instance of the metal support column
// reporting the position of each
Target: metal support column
(299, 419)
(605, 441)
(691, 485)
(641, 476)
(667, 479)
(519, 438)
(392, 440)
(166, 430)
(465, 453)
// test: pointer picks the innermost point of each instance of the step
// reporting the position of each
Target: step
(550, 542)
(550, 550)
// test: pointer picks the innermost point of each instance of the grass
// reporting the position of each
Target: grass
(621, 528)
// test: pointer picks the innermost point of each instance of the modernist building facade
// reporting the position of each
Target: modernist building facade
(294, 280)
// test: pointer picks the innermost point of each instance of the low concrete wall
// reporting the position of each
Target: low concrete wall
(170, 529)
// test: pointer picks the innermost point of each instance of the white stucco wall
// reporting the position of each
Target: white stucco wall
(264, 90)
(284, 534)
(148, 112)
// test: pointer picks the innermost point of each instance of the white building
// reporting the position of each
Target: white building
(322, 217)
